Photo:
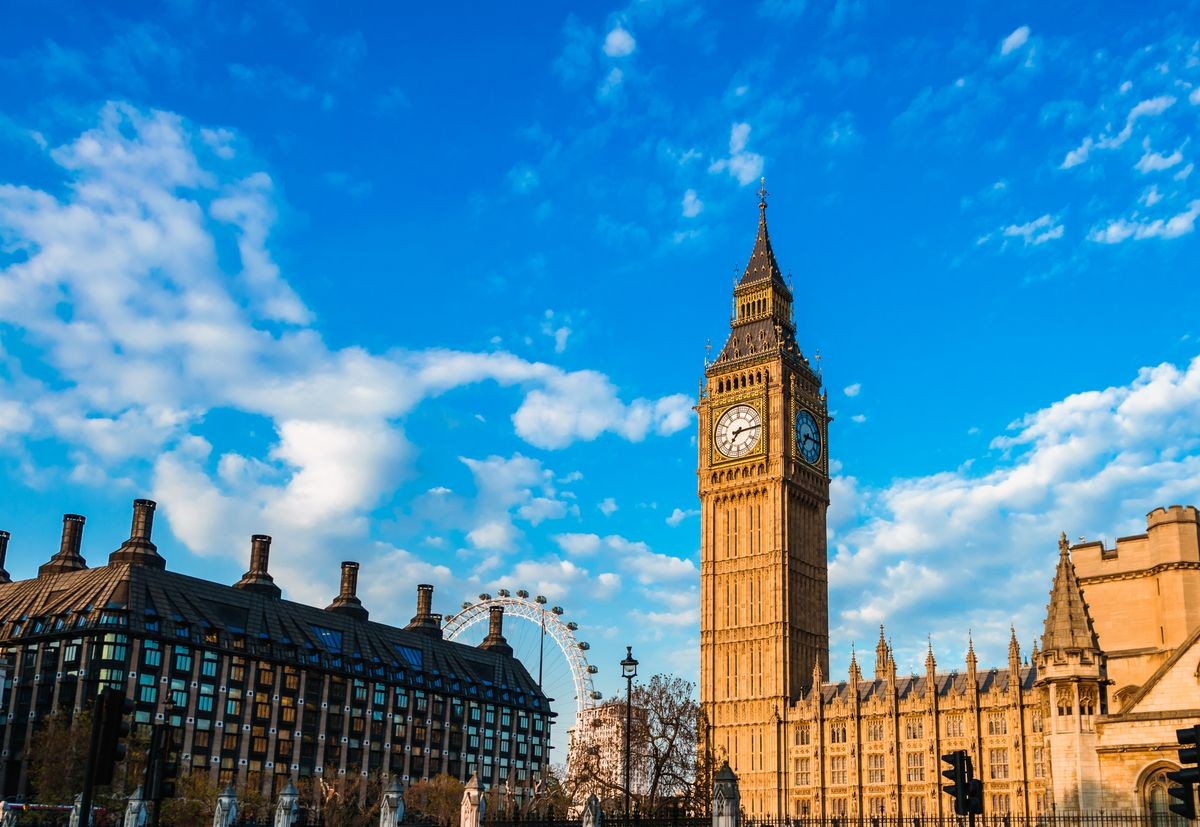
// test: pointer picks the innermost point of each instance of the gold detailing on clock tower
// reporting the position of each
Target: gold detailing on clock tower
(764, 490)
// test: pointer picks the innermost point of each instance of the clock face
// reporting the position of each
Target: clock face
(738, 431)
(808, 437)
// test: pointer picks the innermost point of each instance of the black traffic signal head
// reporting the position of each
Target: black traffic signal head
(112, 711)
(958, 775)
(1184, 794)
(1188, 776)
(161, 770)
(1189, 745)
(975, 796)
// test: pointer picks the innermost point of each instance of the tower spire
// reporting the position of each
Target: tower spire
(881, 655)
(1068, 624)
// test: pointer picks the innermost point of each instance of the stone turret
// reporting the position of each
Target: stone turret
(1071, 669)
(68, 557)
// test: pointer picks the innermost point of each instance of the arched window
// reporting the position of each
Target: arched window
(1064, 701)
(1155, 800)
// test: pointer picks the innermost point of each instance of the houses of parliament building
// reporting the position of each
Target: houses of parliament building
(1083, 722)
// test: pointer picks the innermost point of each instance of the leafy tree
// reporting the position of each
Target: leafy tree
(58, 753)
(194, 801)
(438, 799)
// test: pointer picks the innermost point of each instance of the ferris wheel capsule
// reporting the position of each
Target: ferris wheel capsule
(523, 594)
(503, 592)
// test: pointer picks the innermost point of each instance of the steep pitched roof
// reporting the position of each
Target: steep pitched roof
(1068, 624)
(762, 265)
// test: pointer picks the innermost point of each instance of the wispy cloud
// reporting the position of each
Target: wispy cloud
(742, 164)
(1014, 41)
(1122, 229)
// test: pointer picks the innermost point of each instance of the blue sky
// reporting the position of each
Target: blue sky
(432, 292)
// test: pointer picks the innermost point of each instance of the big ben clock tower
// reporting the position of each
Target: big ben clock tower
(764, 489)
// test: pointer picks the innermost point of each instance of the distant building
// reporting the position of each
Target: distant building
(261, 690)
(596, 751)
(1086, 723)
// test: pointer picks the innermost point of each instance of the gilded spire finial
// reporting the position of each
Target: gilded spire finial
(762, 193)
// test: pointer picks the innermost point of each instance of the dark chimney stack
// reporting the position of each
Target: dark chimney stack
(68, 557)
(425, 621)
(139, 550)
(4, 578)
(347, 601)
(495, 642)
(257, 579)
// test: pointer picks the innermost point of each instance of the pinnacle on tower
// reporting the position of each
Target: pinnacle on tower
(972, 661)
(930, 662)
(881, 655)
(762, 265)
(1068, 624)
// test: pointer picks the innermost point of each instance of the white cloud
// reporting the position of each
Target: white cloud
(584, 404)
(1195, 96)
(859, 418)
(852, 390)
(1148, 108)
(1122, 229)
(631, 557)
(678, 515)
(1078, 155)
(1155, 162)
(1151, 196)
(619, 42)
(162, 330)
(1091, 464)
(1014, 41)
(1036, 232)
(608, 506)
(743, 165)
(557, 328)
(692, 205)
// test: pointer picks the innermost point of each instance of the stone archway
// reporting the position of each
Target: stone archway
(1152, 793)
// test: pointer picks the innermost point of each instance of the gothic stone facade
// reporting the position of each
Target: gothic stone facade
(260, 690)
(1041, 732)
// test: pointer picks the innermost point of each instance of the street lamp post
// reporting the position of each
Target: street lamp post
(629, 672)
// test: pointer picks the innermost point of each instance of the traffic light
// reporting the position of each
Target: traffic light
(1188, 774)
(974, 793)
(161, 770)
(958, 775)
(112, 725)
